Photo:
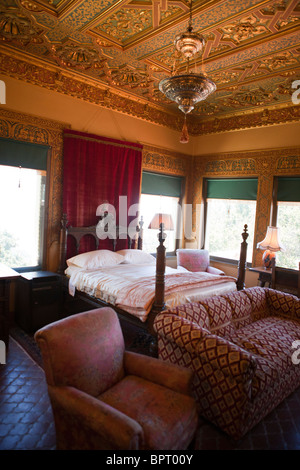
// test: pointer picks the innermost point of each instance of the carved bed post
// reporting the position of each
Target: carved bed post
(140, 232)
(240, 284)
(159, 302)
(63, 244)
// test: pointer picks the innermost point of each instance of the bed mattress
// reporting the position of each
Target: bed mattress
(132, 287)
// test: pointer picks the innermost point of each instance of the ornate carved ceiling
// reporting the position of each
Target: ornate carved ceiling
(114, 53)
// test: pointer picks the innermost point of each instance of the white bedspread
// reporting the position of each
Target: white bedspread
(131, 287)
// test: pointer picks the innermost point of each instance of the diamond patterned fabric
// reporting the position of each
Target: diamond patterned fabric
(239, 346)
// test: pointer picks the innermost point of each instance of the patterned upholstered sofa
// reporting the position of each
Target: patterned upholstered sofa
(244, 349)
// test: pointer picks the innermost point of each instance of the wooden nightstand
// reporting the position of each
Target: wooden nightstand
(7, 275)
(265, 276)
(38, 300)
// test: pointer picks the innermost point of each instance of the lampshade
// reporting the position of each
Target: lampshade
(271, 244)
(271, 241)
(160, 218)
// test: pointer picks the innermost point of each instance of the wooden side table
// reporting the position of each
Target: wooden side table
(7, 275)
(265, 276)
(38, 300)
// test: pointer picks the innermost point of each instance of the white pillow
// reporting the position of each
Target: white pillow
(135, 256)
(96, 259)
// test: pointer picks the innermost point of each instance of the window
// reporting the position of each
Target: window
(229, 205)
(22, 209)
(160, 194)
(287, 219)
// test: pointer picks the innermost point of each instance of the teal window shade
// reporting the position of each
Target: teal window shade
(288, 189)
(23, 154)
(161, 185)
(232, 188)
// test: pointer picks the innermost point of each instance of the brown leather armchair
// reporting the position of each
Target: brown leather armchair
(104, 397)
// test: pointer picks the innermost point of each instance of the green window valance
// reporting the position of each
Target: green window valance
(161, 185)
(232, 188)
(23, 154)
(288, 189)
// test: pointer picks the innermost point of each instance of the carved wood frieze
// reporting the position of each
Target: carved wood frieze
(116, 98)
(159, 160)
(262, 118)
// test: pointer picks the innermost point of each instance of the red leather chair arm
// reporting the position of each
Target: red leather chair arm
(172, 376)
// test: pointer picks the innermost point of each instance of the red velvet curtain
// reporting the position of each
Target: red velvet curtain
(99, 169)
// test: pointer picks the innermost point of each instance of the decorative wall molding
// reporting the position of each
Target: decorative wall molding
(246, 165)
(66, 82)
(160, 160)
(262, 118)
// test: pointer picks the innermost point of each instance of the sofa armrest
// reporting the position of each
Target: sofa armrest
(152, 369)
(213, 270)
(214, 350)
(283, 304)
(227, 356)
(112, 428)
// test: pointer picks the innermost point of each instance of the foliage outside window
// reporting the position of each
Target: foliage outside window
(150, 205)
(160, 194)
(230, 204)
(23, 169)
(287, 210)
(22, 216)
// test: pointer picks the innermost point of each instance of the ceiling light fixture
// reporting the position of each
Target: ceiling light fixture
(187, 89)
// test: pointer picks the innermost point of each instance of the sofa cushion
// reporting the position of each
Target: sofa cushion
(220, 315)
(194, 312)
(241, 308)
(270, 341)
(259, 302)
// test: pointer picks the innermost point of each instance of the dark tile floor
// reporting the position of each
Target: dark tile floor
(26, 421)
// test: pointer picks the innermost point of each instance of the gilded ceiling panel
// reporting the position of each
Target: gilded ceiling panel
(251, 48)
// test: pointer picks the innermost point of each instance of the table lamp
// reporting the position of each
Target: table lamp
(271, 244)
(161, 222)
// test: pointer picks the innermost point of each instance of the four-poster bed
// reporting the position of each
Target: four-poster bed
(153, 286)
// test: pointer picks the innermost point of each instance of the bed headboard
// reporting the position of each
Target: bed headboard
(78, 233)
